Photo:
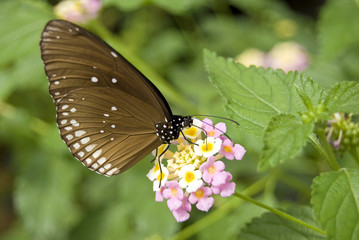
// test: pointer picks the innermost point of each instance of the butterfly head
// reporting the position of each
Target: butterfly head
(169, 130)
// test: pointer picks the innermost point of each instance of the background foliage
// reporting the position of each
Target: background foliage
(46, 194)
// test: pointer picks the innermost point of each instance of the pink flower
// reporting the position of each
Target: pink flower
(159, 195)
(211, 131)
(211, 169)
(231, 152)
(201, 197)
(79, 11)
(174, 194)
(181, 214)
(227, 188)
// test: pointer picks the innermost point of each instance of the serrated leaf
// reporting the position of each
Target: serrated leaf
(335, 200)
(21, 33)
(255, 95)
(336, 35)
(284, 138)
(272, 226)
(343, 97)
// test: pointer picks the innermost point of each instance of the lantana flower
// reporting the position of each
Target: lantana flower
(194, 172)
(78, 11)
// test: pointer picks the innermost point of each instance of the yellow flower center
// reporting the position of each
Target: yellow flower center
(159, 177)
(211, 133)
(174, 192)
(228, 149)
(199, 194)
(207, 147)
(189, 177)
(212, 169)
(191, 131)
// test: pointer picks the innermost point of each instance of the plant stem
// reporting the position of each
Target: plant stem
(279, 213)
(220, 212)
(322, 145)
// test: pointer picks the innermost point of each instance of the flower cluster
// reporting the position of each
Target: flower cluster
(78, 11)
(289, 56)
(194, 172)
(342, 132)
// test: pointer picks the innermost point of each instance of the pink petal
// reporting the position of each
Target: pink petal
(228, 189)
(180, 215)
(174, 203)
(193, 198)
(221, 128)
(219, 178)
(219, 165)
(239, 151)
(204, 204)
(159, 196)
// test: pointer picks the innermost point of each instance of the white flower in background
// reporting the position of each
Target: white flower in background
(78, 11)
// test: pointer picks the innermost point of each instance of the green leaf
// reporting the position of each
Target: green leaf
(343, 97)
(284, 138)
(338, 27)
(21, 33)
(44, 192)
(335, 200)
(255, 95)
(178, 6)
(272, 226)
(125, 4)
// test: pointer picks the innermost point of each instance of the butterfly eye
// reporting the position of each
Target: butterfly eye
(109, 114)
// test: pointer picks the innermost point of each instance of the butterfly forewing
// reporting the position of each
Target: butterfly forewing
(100, 127)
(75, 58)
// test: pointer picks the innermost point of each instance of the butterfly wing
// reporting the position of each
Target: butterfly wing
(106, 129)
(75, 58)
(106, 108)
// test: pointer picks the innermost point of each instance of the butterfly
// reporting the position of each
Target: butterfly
(109, 114)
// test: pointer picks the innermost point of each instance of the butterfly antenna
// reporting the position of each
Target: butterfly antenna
(225, 134)
(224, 118)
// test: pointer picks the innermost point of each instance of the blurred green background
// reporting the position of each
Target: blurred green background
(46, 194)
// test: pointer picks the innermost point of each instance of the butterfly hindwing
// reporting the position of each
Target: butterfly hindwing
(100, 127)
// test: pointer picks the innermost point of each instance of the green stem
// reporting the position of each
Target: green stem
(279, 213)
(220, 212)
(322, 145)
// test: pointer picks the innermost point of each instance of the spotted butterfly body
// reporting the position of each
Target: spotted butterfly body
(108, 113)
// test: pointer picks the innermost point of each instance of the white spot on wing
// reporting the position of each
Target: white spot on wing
(97, 153)
(113, 108)
(65, 113)
(113, 125)
(57, 93)
(101, 170)
(85, 140)
(107, 166)
(102, 160)
(81, 154)
(94, 79)
(89, 148)
(68, 128)
(63, 121)
(79, 133)
(56, 82)
(114, 80)
(106, 115)
(69, 137)
(95, 165)
(88, 160)
(114, 54)
(73, 110)
(112, 171)
(76, 146)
